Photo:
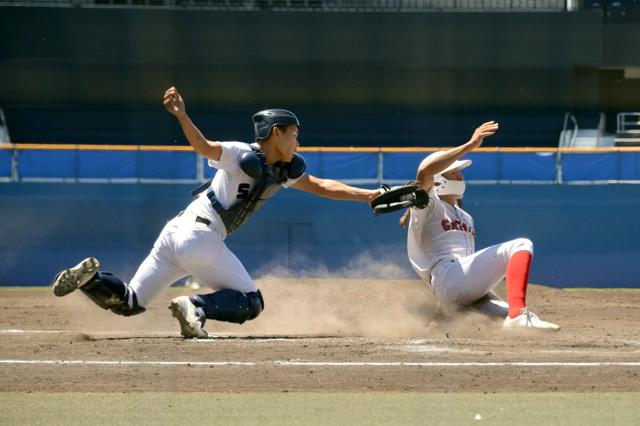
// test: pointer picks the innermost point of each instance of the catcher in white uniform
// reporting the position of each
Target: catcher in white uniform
(192, 243)
(441, 244)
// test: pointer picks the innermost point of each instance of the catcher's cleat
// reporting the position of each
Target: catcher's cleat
(73, 278)
(528, 321)
(185, 312)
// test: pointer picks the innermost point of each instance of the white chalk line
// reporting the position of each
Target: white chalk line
(99, 362)
(287, 363)
(17, 331)
(104, 335)
(407, 348)
(460, 364)
(215, 339)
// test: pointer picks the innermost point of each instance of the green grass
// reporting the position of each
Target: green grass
(320, 408)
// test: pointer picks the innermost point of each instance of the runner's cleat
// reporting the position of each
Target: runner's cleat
(528, 321)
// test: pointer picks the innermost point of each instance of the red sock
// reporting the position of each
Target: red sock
(517, 279)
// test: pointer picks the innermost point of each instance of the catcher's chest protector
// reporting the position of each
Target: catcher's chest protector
(269, 180)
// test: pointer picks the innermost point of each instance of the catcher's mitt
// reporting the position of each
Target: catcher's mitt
(399, 197)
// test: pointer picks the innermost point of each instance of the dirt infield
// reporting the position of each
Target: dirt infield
(332, 335)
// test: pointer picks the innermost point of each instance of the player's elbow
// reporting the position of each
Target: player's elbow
(210, 150)
(424, 180)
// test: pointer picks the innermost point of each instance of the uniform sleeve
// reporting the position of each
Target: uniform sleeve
(229, 160)
(290, 182)
(420, 216)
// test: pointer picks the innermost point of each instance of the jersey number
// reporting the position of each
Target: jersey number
(243, 191)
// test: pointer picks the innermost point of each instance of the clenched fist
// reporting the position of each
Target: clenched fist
(173, 102)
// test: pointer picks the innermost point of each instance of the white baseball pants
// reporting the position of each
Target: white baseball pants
(467, 279)
(186, 247)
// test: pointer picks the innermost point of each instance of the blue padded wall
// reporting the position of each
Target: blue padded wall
(5, 162)
(172, 165)
(107, 164)
(584, 236)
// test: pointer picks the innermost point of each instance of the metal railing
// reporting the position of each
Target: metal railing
(313, 5)
(628, 123)
(628, 129)
(568, 134)
(567, 140)
(602, 121)
(4, 130)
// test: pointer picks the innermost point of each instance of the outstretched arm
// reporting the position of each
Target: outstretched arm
(174, 103)
(433, 165)
(329, 188)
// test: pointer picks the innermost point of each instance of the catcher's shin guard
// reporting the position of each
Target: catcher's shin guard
(229, 305)
(109, 292)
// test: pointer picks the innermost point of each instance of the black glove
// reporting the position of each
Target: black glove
(399, 197)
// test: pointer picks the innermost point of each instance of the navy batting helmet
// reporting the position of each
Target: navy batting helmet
(263, 121)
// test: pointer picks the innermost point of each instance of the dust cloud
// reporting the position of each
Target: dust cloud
(345, 302)
(366, 265)
(304, 302)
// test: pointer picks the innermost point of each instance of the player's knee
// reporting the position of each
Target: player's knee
(230, 305)
(109, 292)
(256, 304)
(521, 244)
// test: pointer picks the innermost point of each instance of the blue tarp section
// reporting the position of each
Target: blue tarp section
(167, 165)
(401, 165)
(107, 164)
(5, 162)
(527, 166)
(342, 165)
(485, 166)
(577, 244)
(41, 163)
(630, 166)
(597, 166)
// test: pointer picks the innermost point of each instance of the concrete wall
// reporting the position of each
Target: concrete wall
(84, 75)
(584, 236)
(124, 57)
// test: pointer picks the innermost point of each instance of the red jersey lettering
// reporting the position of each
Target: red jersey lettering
(456, 225)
